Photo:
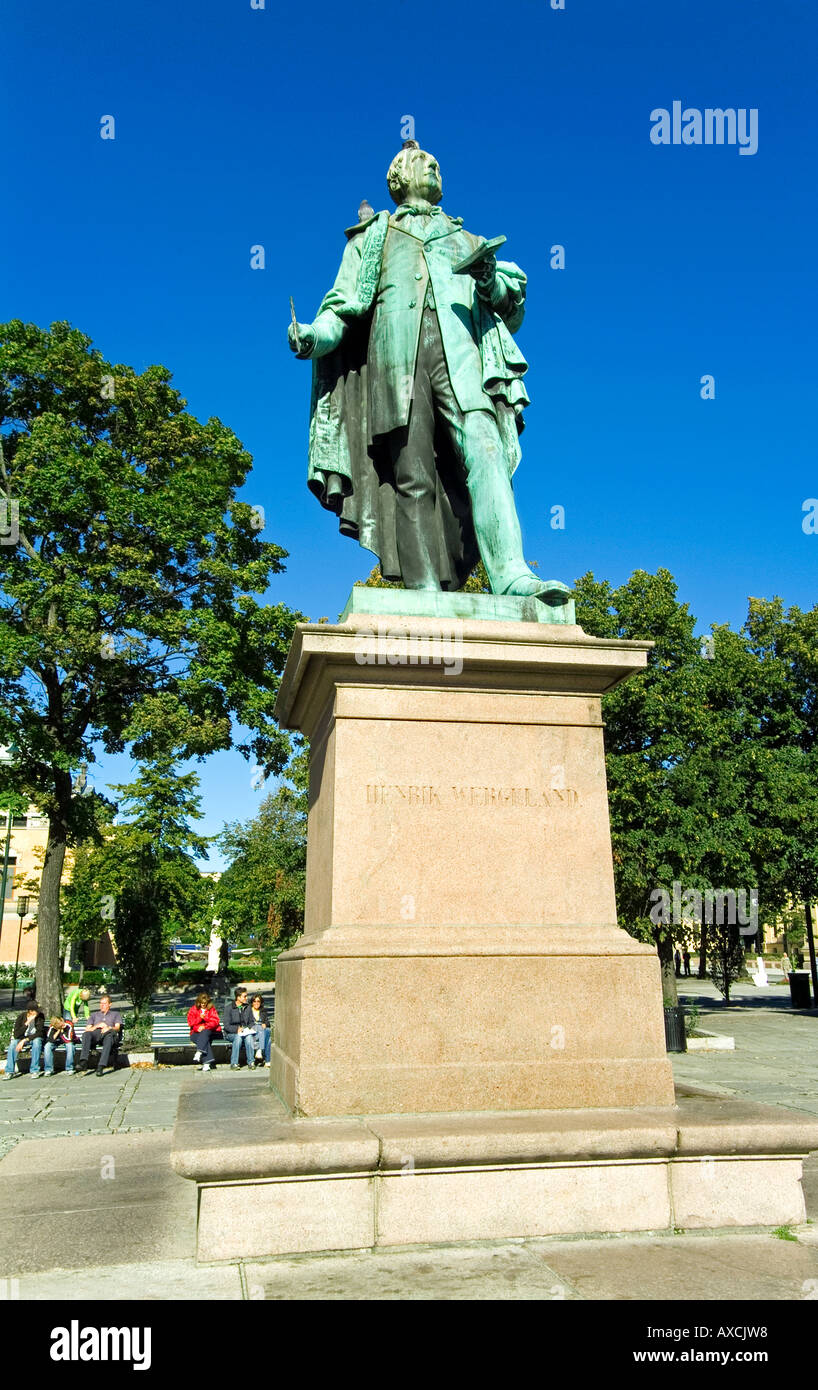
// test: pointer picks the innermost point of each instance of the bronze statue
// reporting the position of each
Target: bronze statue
(418, 393)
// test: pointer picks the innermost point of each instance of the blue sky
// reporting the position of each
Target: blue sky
(237, 127)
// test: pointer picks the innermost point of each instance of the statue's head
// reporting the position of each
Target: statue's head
(414, 175)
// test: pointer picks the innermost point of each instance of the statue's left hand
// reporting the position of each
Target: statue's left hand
(483, 272)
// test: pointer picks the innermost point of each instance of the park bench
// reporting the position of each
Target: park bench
(172, 1035)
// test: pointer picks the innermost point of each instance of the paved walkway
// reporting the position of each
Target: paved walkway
(86, 1176)
(119, 1102)
(776, 1057)
(696, 1269)
(69, 1205)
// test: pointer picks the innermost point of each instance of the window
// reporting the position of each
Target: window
(19, 822)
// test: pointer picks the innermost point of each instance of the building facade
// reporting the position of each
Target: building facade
(26, 851)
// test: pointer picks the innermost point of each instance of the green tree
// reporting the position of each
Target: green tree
(779, 759)
(156, 838)
(650, 722)
(727, 958)
(262, 890)
(138, 932)
(710, 762)
(128, 608)
(782, 756)
(477, 582)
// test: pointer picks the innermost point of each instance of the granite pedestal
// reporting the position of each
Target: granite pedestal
(467, 1046)
(460, 950)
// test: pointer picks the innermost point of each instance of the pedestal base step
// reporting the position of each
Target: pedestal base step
(272, 1185)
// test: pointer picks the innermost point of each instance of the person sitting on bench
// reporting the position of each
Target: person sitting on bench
(260, 1023)
(103, 1030)
(238, 1029)
(203, 1022)
(28, 1031)
(61, 1031)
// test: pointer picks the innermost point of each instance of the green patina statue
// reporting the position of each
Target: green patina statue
(418, 393)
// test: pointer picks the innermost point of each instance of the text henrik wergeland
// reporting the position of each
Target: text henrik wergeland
(410, 794)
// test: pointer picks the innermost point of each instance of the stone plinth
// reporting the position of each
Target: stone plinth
(460, 951)
(271, 1185)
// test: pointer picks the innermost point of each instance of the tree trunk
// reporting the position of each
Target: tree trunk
(669, 991)
(49, 974)
(702, 971)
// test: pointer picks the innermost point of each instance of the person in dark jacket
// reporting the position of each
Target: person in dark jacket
(238, 1028)
(28, 1032)
(203, 1022)
(260, 1024)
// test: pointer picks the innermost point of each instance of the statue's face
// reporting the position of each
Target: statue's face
(424, 179)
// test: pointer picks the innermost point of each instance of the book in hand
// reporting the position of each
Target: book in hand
(486, 248)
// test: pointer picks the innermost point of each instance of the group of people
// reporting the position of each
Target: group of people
(681, 958)
(246, 1027)
(102, 1031)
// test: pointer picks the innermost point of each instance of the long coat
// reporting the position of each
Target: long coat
(367, 331)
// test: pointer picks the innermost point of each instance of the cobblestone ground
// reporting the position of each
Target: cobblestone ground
(128, 1099)
(117, 1103)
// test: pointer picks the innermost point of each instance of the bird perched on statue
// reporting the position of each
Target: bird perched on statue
(365, 211)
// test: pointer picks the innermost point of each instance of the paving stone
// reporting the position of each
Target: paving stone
(154, 1280)
(50, 1190)
(700, 1268)
(505, 1272)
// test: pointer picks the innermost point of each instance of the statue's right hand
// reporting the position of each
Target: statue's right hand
(306, 338)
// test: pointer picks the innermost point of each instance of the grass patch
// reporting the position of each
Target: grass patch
(784, 1233)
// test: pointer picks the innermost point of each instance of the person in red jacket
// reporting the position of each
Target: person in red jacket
(203, 1022)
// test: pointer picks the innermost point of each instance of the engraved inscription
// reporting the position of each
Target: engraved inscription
(411, 794)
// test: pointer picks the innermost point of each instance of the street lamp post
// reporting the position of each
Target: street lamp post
(5, 757)
(5, 875)
(22, 913)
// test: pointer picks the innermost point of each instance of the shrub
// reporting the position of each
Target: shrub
(103, 976)
(25, 974)
(137, 1032)
(691, 1019)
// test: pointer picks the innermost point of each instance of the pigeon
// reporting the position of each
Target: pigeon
(365, 210)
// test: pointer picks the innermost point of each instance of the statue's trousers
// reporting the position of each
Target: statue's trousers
(476, 441)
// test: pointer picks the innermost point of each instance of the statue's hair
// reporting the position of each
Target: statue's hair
(397, 175)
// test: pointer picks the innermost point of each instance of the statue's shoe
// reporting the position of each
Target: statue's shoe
(551, 591)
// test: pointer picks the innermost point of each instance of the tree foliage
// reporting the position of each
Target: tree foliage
(156, 840)
(262, 890)
(138, 932)
(726, 958)
(710, 758)
(128, 614)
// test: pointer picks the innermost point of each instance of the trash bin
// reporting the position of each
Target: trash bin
(799, 989)
(675, 1036)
